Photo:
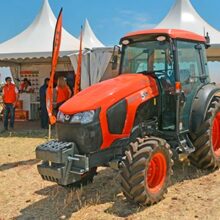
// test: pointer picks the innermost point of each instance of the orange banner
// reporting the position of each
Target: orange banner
(79, 68)
(55, 56)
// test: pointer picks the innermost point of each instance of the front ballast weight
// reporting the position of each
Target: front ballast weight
(61, 162)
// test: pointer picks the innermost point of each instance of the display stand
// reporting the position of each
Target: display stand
(30, 105)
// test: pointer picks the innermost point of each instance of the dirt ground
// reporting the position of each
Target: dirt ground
(24, 195)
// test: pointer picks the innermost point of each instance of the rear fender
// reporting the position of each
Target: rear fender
(201, 104)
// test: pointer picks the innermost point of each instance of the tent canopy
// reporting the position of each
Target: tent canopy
(37, 40)
(95, 60)
(183, 16)
(34, 45)
(94, 64)
(89, 39)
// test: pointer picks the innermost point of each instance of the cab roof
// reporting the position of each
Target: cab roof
(172, 33)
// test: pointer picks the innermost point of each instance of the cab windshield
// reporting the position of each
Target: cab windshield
(147, 56)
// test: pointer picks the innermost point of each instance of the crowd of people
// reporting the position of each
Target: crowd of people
(10, 96)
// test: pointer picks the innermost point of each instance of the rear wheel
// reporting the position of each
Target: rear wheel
(145, 173)
(207, 139)
(216, 135)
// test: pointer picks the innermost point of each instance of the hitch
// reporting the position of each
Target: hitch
(185, 147)
(61, 162)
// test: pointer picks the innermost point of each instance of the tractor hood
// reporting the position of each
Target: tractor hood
(107, 92)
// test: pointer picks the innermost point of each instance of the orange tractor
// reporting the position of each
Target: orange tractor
(162, 101)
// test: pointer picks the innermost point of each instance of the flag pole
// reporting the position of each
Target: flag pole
(79, 66)
(49, 132)
(55, 56)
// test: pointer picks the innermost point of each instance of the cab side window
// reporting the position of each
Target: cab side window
(190, 70)
(189, 62)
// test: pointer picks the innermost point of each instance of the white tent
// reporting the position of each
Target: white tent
(34, 46)
(89, 38)
(37, 40)
(29, 55)
(96, 57)
(183, 16)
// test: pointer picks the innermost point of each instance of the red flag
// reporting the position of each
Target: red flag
(79, 68)
(55, 55)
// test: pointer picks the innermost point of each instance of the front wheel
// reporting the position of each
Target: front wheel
(146, 171)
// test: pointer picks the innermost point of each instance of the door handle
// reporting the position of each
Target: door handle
(182, 98)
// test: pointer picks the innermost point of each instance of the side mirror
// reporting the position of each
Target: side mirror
(207, 44)
(115, 56)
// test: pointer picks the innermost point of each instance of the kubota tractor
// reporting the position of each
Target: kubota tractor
(161, 100)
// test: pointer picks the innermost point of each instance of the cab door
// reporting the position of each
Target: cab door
(190, 71)
(163, 61)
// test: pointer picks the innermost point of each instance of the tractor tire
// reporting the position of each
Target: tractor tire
(207, 139)
(146, 171)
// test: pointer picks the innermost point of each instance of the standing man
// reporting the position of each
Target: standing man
(43, 107)
(10, 98)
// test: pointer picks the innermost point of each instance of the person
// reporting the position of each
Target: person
(10, 98)
(25, 86)
(63, 92)
(44, 115)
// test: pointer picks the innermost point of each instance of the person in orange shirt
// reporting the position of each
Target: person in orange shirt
(63, 92)
(25, 86)
(10, 98)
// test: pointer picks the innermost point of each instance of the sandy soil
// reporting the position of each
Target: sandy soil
(24, 195)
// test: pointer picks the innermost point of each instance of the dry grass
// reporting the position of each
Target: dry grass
(24, 195)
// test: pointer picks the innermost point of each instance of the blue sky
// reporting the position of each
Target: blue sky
(109, 19)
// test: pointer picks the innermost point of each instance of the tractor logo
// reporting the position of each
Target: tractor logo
(67, 117)
(144, 95)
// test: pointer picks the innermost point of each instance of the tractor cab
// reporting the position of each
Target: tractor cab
(178, 62)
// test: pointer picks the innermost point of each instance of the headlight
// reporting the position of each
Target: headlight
(83, 117)
(60, 117)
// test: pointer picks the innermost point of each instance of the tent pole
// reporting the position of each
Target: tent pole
(89, 71)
